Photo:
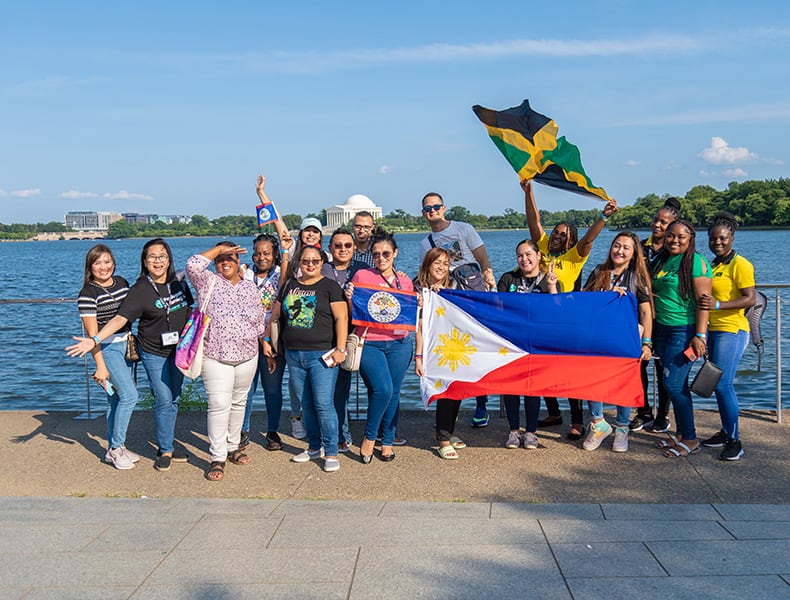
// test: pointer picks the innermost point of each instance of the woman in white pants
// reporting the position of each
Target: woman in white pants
(230, 348)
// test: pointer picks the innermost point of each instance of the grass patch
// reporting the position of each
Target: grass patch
(190, 399)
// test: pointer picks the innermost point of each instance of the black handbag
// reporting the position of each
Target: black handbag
(706, 380)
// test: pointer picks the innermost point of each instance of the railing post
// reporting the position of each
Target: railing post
(778, 358)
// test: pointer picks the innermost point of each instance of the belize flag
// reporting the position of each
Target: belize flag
(266, 213)
(383, 308)
(578, 345)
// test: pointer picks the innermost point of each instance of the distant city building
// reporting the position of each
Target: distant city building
(340, 214)
(87, 220)
(135, 218)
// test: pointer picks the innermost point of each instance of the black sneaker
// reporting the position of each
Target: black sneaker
(716, 441)
(162, 463)
(732, 451)
(639, 422)
(178, 456)
(661, 424)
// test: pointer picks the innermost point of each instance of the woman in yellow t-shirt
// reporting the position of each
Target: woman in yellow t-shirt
(728, 332)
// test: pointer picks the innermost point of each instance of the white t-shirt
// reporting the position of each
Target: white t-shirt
(459, 239)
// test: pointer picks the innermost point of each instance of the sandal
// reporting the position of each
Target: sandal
(216, 471)
(237, 457)
(681, 450)
(670, 442)
(457, 443)
(273, 441)
(576, 432)
(448, 452)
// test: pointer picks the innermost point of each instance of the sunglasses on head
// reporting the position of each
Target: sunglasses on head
(385, 255)
(432, 207)
(340, 245)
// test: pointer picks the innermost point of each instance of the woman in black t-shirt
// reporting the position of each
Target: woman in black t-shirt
(98, 302)
(314, 330)
(161, 302)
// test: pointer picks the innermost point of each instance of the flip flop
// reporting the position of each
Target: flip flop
(684, 450)
(448, 452)
(667, 443)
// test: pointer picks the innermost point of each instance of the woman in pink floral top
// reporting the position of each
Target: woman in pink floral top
(230, 348)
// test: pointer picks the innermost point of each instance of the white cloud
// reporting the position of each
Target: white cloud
(736, 172)
(384, 169)
(28, 193)
(721, 153)
(75, 195)
(704, 173)
(672, 166)
(124, 195)
(631, 163)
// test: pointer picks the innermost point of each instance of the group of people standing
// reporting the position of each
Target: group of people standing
(290, 308)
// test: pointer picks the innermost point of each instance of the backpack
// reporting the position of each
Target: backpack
(467, 276)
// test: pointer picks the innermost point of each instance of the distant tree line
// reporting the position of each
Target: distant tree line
(755, 203)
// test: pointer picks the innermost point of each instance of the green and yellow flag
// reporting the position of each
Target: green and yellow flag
(529, 142)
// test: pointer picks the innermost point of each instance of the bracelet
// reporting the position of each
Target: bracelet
(418, 356)
(284, 251)
(701, 336)
(717, 305)
(647, 341)
(603, 217)
(96, 340)
(341, 350)
(267, 339)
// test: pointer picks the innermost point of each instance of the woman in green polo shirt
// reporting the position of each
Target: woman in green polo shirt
(681, 277)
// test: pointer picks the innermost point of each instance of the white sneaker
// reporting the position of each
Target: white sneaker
(132, 456)
(530, 441)
(620, 443)
(118, 459)
(297, 428)
(597, 433)
(331, 465)
(308, 455)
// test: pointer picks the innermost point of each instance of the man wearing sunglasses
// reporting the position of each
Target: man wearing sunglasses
(363, 231)
(467, 255)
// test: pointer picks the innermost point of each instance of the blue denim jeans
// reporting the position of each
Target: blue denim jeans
(120, 404)
(314, 384)
(272, 384)
(725, 349)
(383, 367)
(342, 391)
(165, 380)
(623, 413)
(531, 409)
(670, 343)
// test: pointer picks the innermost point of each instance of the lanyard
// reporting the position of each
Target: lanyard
(397, 280)
(528, 287)
(166, 305)
(260, 283)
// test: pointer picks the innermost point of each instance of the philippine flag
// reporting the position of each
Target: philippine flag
(579, 345)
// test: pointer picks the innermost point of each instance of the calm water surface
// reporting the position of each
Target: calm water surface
(37, 375)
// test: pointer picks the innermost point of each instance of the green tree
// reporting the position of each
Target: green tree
(121, 229)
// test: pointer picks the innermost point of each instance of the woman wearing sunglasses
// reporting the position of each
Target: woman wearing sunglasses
(314, 331)
(341, 270)
(386, 354)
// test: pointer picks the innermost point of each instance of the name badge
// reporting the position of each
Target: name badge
(170, 338)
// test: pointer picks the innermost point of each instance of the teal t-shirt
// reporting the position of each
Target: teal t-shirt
(671, 309)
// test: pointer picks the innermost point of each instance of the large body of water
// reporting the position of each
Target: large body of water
(36, 374)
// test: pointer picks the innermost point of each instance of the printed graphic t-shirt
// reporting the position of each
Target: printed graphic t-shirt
(305, 308)
(459, 239)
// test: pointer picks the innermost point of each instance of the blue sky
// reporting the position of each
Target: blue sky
(176, 107)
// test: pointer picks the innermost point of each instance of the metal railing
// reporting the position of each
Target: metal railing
(778, 340)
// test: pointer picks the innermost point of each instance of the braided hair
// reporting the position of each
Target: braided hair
(274, 241)
(723, 219)
(685, 279)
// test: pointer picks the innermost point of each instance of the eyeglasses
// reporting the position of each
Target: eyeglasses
(310, 261)
(432, 207)
(339, 245)
(157, 258)
(385, 255)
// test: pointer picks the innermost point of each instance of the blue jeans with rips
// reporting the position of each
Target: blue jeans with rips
(670, 343)
(314, 383)
(120, 404)
(725, 349)
(383, 367)
(165, 380)
(272, 384)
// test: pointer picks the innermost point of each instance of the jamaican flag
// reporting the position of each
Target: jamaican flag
(529, 142)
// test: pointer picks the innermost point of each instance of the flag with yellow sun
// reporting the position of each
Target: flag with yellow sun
(578, 345)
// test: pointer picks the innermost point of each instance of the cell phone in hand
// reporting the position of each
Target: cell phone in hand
(689, 352)
(327, 358)
(108, 387)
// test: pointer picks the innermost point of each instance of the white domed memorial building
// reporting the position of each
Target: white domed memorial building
(340, 214)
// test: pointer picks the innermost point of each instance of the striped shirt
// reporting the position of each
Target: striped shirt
(103, 302)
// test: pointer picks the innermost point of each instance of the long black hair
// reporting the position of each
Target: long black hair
(685, 279)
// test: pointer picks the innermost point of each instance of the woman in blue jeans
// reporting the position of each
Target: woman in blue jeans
(161, 301)
(728, 333)
(314, 331)
(681, 277)
(386, 355)
(98, 302)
